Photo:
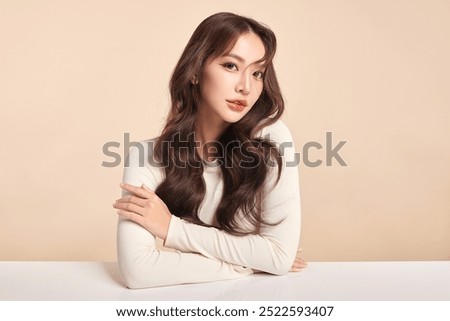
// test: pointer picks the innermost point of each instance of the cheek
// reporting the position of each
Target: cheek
(206, 91)
(209, 87)
(258, 91)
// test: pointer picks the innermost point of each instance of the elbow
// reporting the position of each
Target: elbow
(131, 277)
(131, 282)
(281, 265)
(137, 256)
(279, 259)
(136, 271)
(281, 270)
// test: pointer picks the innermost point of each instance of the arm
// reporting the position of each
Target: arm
(143, 265)
(274, 249)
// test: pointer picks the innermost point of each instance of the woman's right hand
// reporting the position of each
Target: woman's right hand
(145, 208)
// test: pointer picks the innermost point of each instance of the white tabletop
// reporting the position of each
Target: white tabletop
(331, 281)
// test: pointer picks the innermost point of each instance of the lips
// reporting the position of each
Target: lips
(237, 104)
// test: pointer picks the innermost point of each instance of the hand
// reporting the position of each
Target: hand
(299, 263)
(145, 208)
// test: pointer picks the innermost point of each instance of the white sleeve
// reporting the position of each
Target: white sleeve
(142, 264)
(273, 250)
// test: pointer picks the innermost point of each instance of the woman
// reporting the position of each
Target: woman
(214, 186)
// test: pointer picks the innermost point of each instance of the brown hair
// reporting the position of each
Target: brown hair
(183, 188)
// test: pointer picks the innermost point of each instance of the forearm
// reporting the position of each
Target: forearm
(273, 252)
(143, 265)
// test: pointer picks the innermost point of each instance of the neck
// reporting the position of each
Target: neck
(205, 134)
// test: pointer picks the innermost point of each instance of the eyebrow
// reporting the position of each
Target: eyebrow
(242, 60)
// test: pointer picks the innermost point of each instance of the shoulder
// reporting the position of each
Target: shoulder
(140, 156)
(280, 135)
(277, 132)
(140, 166)
(141, 153)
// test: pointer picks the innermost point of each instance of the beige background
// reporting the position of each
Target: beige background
(75, 75)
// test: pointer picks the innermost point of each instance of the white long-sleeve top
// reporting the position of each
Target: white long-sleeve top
(206, 254)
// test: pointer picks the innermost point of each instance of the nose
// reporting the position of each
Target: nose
(243, 84)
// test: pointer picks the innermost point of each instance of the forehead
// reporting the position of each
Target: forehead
(249, 48)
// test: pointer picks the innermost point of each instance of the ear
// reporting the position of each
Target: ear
(194, 80)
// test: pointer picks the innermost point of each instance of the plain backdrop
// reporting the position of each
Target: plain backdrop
(75, 75)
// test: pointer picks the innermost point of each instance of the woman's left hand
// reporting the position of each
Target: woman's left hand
(145, 208)
(299, 263)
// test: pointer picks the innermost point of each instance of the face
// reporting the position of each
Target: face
(232, 83)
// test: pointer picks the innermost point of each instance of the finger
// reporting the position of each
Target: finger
(137, 190)
(146, 188)
(296, 268)
(132, 217)
(130, 207)
(299, 263)
(302, 263)
(133, 199)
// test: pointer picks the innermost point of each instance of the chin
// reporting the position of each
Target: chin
(233, 118)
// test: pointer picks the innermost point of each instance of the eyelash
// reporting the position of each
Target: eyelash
(261, 74)
(232, 66)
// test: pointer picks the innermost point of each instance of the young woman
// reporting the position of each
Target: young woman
(215, 186)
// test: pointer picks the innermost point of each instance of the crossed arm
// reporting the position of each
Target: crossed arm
(202, 253)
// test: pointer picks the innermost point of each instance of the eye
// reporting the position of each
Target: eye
(230, 66)
(258, 74)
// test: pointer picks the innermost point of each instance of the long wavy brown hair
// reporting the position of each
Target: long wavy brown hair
(183, 188)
